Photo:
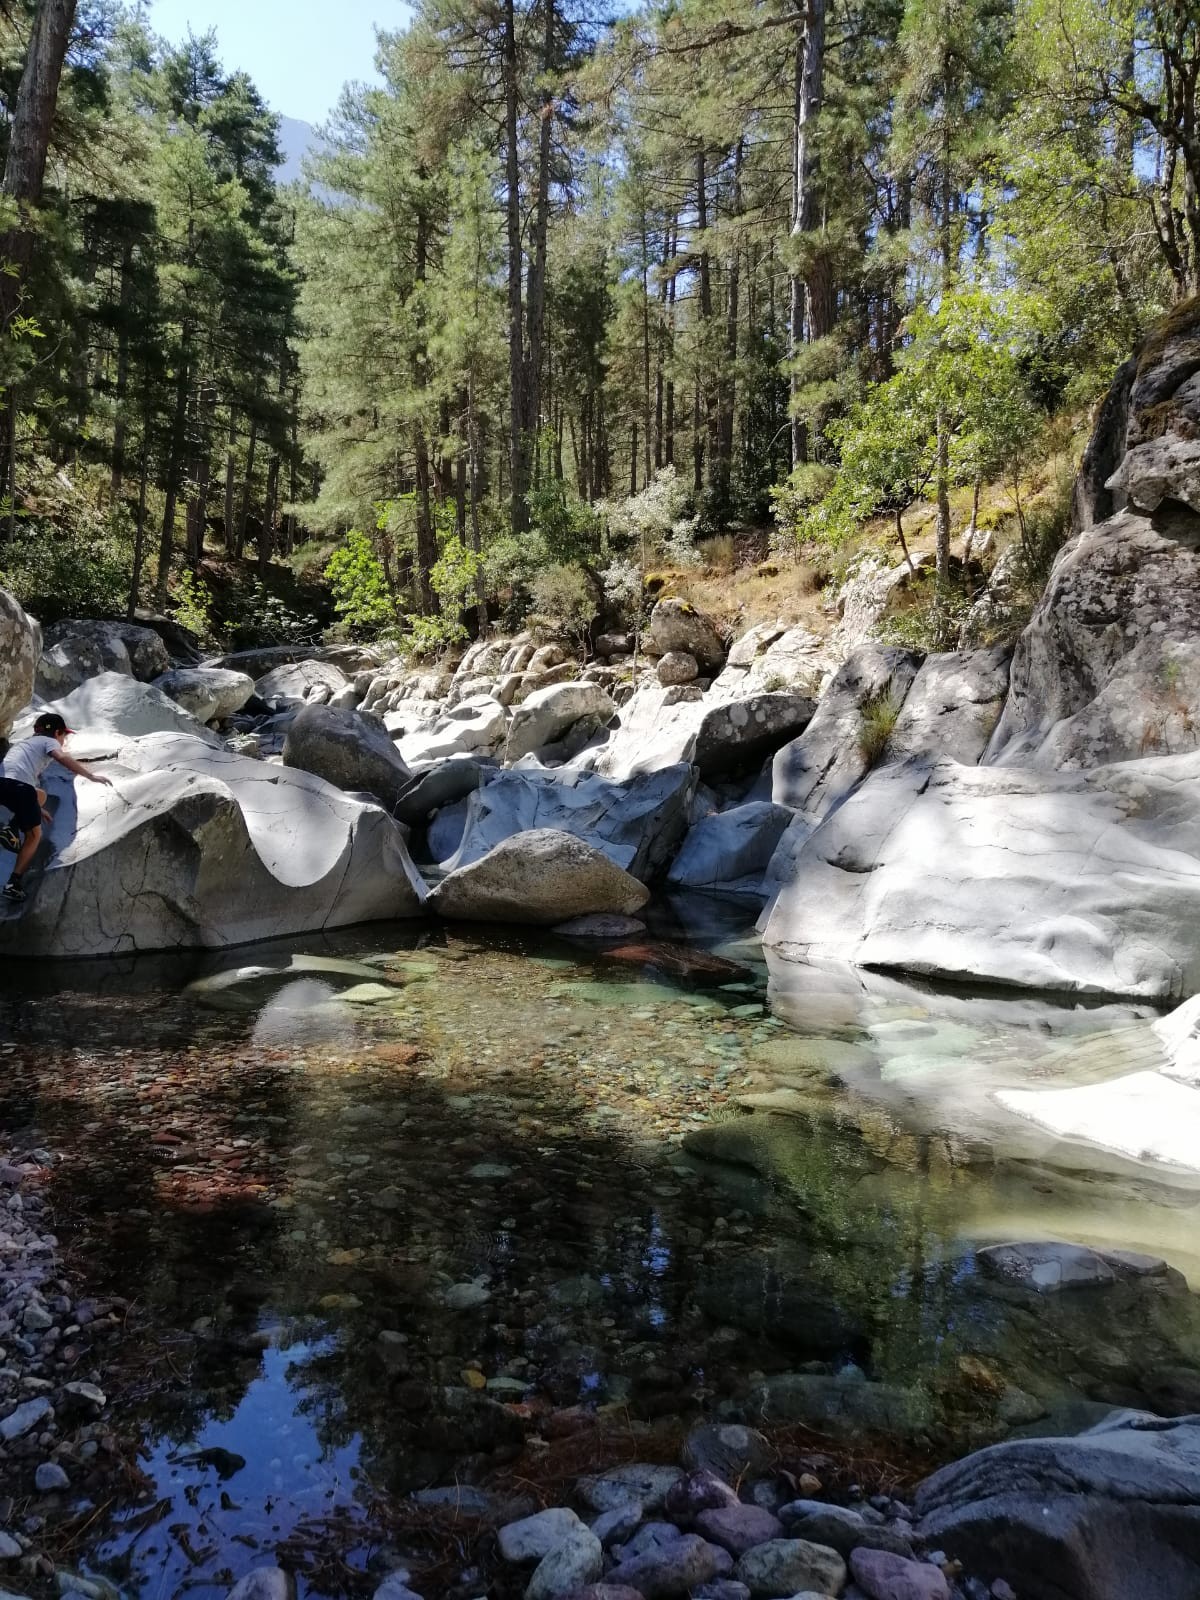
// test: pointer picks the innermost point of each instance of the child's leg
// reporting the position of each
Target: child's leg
(28, 850)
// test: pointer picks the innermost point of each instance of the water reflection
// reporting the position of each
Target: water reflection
(389, 1203)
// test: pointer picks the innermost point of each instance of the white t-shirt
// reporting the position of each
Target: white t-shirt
(26, 761)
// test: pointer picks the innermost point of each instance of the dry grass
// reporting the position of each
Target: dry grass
(789, 591)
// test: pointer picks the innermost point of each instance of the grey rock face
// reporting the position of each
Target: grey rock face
(738, 1528)
(677, 626)
(539, 877)
(637, 824)
(643, 1484)
(474, 726)
(815, 772)
(953, 706)
(20, 647)
(122, 646)
(730, 849)
(296, 682)
(1113, 1514)
(199, 848)
(209, 693)
(348, 749)
(119, 705)
(1087, 881)
(718, 734)
(547, 714)
(728, 1449)
(1109, 666)
(884, 1576)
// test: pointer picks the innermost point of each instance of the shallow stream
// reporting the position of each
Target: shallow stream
(388, 1202)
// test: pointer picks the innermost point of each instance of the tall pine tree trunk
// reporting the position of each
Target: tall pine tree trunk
(518, 461)
(243, 517)
(807, 93)
(122, 384)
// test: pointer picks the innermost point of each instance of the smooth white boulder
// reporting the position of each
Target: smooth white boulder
(637, 824)
(210, 694)
(199, 848)
(1081, 881)
(1146, 1116)
(20, 646)
(116, 705)
(953, 705)
(540, 877)
(472, 727)
(548, 713)
(1179, 1035)
(717, 734)
(730, 849)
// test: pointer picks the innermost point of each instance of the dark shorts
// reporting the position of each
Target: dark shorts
(21, 799)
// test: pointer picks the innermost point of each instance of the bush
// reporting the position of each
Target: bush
(719, 552)
(355, 575)
(259, 618)
(562, 602)
(192, 604)
(56, 572)
(877, 718)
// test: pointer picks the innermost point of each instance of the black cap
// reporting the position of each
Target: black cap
(51, 723)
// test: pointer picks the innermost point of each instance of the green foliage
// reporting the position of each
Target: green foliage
(569, 528)
(429, 636)
(192, 604)
(361, 596)
(563, 602)
(257, 617)
(65, 572)
(876, 719)
(455, 573)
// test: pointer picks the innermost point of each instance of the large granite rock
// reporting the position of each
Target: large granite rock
(20, 647)
(119, 646)
(549, 713)
(475, 726)
(210, 693)
(295, 683)
(953, 706)
(348, 749)
(114, 704)
(442, 785)
(676, 625)
(719, 735)
(350, 659)
(1112, 1514)
(1109, 666)
(730, 850)
(815, 772)
(540, 877)
(771, 656)
(199, 848)
(637, 824)
(1086, 881)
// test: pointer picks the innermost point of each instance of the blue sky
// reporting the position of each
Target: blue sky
(299, 52)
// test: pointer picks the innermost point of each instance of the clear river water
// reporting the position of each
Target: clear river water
(390, 1206)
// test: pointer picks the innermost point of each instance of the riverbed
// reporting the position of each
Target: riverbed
(395, 1208)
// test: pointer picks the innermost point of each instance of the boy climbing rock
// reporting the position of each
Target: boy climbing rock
(21, 791)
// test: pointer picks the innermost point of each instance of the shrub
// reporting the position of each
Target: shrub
(258, 617)
(719, 552)
(355, 575)
(58, 572)
(562, 602)
(192, 604)
(877, 718)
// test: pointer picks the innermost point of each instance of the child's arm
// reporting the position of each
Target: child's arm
(79, 769)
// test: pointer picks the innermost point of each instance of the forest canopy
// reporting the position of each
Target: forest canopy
(567, 293)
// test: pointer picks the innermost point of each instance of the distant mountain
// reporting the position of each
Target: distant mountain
(296, 140)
